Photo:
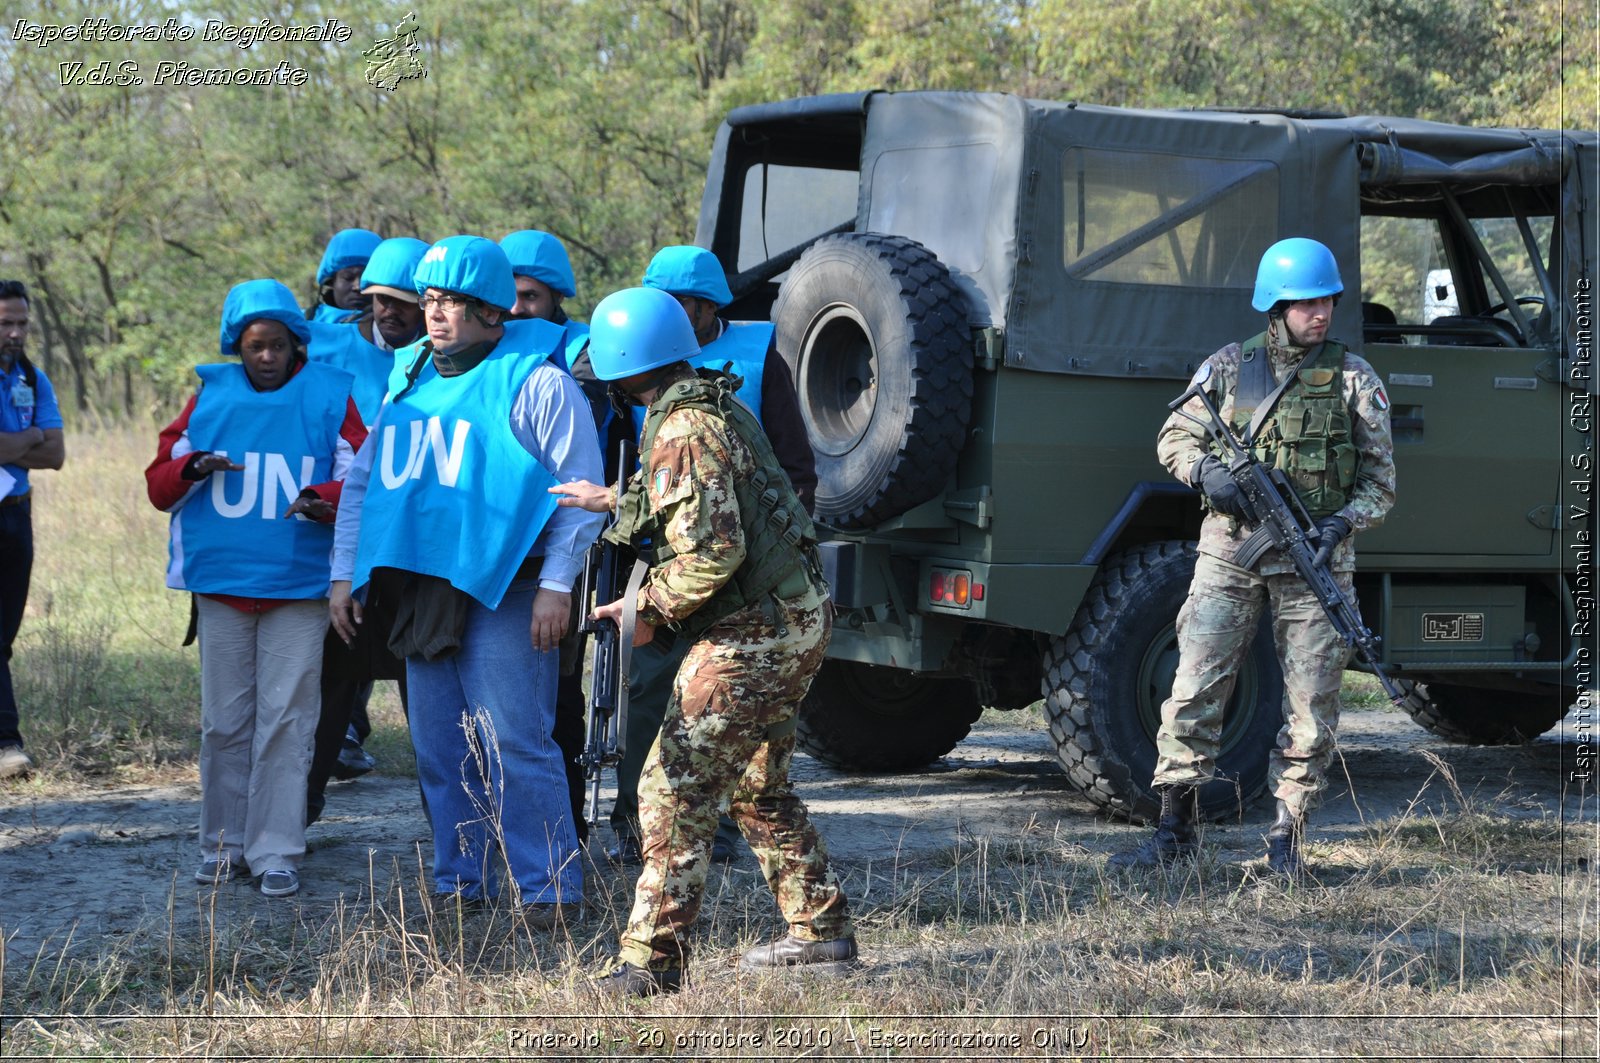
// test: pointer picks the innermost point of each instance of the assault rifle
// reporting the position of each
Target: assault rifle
(1285, 523)
(604, 580)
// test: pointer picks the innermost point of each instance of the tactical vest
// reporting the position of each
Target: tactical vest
(1307, 434)
(780, 540)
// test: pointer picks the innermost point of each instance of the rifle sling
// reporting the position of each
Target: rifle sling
(630, 617)
(1261, 363)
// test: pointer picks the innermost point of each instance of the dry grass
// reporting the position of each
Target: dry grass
(1426, 937)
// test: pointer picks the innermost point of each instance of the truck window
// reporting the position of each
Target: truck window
(1141, 218)
(1418, 270)
(1403, 269)
(784, 206)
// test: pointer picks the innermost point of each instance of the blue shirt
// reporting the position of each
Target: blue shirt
(42, 413)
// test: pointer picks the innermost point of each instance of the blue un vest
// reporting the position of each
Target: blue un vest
(343, 347)
(230, 535)
(333, 315)
(745, 344)
(576, 340)
(452, 493)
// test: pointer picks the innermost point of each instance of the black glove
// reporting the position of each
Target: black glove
(1331, 531)
(1214, 481)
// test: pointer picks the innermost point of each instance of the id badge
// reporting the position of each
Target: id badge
(22, 396)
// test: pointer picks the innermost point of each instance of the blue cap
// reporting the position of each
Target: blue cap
(540, 256)
(349, 247)
(392, 266)
(689, 270)
(257, 299)
(468, 265)
(638, 329)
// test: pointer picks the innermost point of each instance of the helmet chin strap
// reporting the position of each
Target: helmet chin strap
(656, 382)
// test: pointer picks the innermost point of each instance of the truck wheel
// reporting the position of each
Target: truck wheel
(1474, 716)
(1106, 678)
(876, 336)
(862, 717)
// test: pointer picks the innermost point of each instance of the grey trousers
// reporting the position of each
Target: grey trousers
(259, 703)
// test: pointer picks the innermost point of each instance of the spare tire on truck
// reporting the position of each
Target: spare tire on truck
(876, 336)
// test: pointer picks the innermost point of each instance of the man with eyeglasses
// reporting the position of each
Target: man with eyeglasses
(744, 349)
(450, 496)
(30, 438)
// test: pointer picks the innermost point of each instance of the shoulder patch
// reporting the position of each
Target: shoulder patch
(663, 480)
(1201, 375)
(1380, 398)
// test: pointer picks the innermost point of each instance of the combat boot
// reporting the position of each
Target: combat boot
(790, 951)
(1174, 840)
(623, 979)
(1283, 843)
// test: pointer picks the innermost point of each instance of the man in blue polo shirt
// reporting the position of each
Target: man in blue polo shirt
(30, 438)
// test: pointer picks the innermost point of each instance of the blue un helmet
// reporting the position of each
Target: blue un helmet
(540, 256)
(638, 329)
(1296, 268)
(468, 265)
(257, 299)
(349, 247)
(392, 266)
(689, 270)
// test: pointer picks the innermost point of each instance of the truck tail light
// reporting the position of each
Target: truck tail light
(953, 587)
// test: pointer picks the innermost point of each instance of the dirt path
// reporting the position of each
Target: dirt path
(92, 867)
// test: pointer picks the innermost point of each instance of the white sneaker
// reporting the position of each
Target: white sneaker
(280, 884)
(215, 870)
(13, 761)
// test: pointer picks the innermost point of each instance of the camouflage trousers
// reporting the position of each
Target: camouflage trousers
(1215, 627)
(728, 736)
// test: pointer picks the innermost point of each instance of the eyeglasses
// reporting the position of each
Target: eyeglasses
(447, 301)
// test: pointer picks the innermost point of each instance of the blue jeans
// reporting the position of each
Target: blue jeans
(481, 724)
(16, 569)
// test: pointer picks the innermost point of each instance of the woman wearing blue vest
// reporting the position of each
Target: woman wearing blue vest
(364, 346)
(250, 472)
(450, 495)
(339, 275)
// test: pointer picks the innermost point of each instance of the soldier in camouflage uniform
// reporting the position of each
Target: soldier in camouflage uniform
(734, 572)
(1328, 429)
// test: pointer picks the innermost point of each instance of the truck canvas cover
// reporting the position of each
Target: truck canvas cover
(1115, 208)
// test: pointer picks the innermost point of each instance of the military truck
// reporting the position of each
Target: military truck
(987, 303)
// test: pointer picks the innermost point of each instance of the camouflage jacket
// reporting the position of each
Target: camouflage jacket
(1182, 442)
(691, 472)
